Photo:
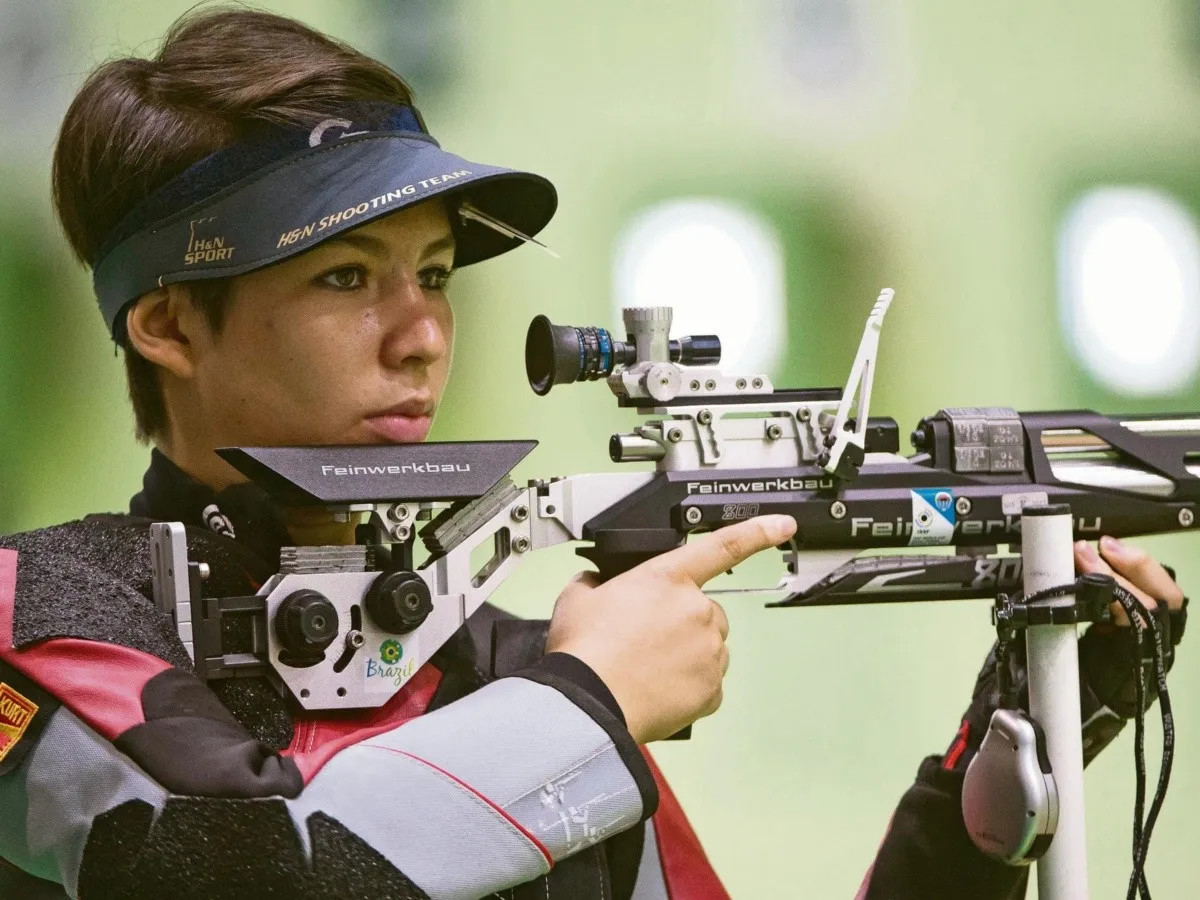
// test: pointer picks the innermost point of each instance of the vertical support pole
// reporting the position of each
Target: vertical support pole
(1053, 662)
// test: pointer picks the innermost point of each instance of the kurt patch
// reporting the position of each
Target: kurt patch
(16, 712)
(24, 710)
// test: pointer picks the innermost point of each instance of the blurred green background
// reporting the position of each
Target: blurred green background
(936, 147)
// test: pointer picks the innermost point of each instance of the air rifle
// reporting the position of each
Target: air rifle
(346, 626)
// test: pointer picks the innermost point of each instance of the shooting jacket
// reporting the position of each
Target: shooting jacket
(496, 772)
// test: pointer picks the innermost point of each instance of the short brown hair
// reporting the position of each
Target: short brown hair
(137, 123)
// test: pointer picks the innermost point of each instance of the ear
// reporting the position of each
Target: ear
(162, 327)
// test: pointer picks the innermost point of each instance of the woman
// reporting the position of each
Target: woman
(271, 232)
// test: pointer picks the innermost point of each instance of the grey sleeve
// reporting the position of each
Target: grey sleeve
(481, 795)
(525, 776)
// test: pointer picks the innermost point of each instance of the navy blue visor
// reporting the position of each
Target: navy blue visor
(256, 203)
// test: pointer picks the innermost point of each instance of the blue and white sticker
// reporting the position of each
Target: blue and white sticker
(932, 517)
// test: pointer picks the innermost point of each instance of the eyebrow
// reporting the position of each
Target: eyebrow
(446, 243)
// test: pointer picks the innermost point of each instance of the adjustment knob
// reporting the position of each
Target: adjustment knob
(648, 327)
(305, 624)
(399, 602)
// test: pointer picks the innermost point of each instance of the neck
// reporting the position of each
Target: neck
(201, 464)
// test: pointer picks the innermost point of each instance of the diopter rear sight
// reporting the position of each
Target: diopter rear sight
(562, 354)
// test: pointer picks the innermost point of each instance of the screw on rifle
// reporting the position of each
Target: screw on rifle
(804, 414)
(521, 544)
(355, 639)
(962, 506)
(675, 435)
(695, 385)
(399, 511)
(710, 385)
(741, 384)
(704, 417)
(401, 532)
(757, 383)
(692, 515)
(774, 432)
(837, 509)
(520, 513)
(1186, 517)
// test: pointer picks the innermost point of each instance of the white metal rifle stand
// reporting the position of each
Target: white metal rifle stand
(1047, 551)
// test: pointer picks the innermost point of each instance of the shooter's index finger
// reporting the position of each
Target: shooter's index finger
(711, 554)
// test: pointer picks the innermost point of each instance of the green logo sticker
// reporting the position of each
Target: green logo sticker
(390, 651)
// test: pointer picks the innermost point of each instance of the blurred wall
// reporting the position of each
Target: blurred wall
(933, 147)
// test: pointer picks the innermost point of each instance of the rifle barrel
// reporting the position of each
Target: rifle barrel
(1082, 458)
(1076, 440)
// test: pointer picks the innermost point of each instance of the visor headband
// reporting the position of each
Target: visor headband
(254, 204)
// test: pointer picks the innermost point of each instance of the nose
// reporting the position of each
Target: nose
(417, 325)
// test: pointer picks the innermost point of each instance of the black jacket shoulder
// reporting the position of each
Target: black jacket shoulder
(90, 579)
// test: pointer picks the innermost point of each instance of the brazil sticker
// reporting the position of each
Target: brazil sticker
(387, 671)
(932, 517)
(16, 712)
(390, 651)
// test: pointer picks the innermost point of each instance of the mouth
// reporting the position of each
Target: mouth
(405, 423)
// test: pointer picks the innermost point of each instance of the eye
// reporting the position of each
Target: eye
(344, 278)
(435, 278)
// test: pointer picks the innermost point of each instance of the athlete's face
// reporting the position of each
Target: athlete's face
(347, 343)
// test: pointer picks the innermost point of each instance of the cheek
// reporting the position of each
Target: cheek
(448, 329)
(293, 379)
(440, 370)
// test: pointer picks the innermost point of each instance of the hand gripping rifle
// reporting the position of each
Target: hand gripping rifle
(346, 626)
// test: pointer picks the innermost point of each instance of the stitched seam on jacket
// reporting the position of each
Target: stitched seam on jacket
(496, 811)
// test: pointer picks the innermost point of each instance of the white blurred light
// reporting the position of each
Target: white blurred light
(1129, 278)
(719, 266)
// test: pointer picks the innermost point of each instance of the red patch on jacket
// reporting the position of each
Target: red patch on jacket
(101, 683)
(318, 736)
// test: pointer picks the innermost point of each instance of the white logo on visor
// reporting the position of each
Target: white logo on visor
(318, 133)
